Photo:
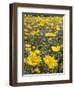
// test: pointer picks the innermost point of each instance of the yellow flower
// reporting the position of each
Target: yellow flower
(34, 33)
(37, 70)
(28, 49)
(50, 34)
(27, 45)
(26, 34)
(57, 27)
(51, 26)
(50, 61)
(38, 31)
(37, 51)
(33, 59)
(33, 47)
(29, 26)
(55, 48)
(58, 20)
(25, 30)
(41, 24)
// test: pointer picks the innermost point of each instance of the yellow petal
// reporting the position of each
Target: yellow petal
(50, 34)
(37, 51)
(55, 48)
